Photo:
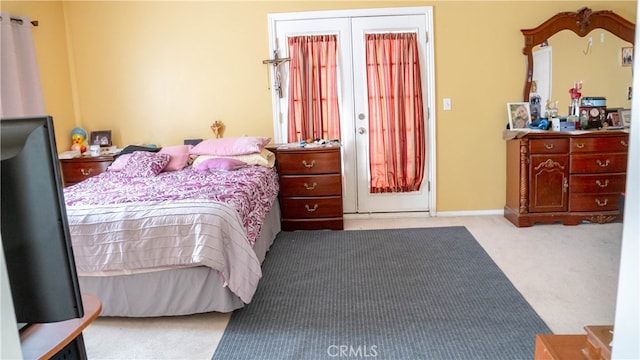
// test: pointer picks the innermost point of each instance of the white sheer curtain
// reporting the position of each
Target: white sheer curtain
(21, 92)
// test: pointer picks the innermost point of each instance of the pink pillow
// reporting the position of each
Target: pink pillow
(220, 164)
(145, 164)
(231, 146)
(179, 156)
(119, 163)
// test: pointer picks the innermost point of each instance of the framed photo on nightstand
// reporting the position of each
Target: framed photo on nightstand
(102, 138)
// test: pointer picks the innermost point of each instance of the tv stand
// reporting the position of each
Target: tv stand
(61, 339)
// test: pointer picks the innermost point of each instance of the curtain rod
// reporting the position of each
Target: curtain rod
(20, 21)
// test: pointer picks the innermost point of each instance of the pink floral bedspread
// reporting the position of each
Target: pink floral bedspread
(250, 190)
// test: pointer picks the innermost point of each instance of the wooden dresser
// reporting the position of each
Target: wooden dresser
(80, 168)
(567, 177)
(310, 188)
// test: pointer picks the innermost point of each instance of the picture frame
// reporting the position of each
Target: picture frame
(519, 115)
(625, 117)
(613, 119)
(102, 138)
(626, 56)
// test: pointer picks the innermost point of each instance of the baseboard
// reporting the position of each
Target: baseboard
(420, 214)
(470, 213)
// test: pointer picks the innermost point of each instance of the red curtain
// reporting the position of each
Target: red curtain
(396, 118)
(313, 88)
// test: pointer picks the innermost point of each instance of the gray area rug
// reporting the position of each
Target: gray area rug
(426, 293)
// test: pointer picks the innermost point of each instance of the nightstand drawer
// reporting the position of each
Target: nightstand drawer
(78, 169)
(311, 162)
(316, 185)
(312, 207)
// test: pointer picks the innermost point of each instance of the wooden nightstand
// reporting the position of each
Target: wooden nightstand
(310, 188)
(81, 168)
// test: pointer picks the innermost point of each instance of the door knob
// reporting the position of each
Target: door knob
(361, 130)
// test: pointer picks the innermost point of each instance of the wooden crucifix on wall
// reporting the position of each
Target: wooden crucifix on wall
(277, 78)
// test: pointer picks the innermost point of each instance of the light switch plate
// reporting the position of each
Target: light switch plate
(446, 104)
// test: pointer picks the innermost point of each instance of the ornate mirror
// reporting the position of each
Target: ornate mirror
(582, 23)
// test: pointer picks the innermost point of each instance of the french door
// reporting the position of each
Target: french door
(350, 28)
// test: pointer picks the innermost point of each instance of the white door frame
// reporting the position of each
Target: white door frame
(349, 159)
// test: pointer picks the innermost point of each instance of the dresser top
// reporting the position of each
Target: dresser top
(531, 133)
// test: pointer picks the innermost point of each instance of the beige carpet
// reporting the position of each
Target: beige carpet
(567, 273)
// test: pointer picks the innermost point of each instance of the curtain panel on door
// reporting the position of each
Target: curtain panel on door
(396, 118)
(313, 88)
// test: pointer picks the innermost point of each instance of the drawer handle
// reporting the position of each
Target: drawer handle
(86, 172)
(580, 145)
(315, 207)
(565, 185)
(602, 203)
(312, 187)
(548, 146)
(606, 183)
(313, 163)
(624, 143)
(603, 164)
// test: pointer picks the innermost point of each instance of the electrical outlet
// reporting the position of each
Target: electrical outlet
(446, 104)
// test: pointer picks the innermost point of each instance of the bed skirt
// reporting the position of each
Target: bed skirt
(174, 292)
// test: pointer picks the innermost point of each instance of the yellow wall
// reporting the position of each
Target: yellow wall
(159, 72)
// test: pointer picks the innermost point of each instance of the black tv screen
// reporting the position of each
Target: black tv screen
(35, 230)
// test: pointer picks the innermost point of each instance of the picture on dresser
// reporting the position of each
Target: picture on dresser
(102, 138)
(613, 119)
(519, 115)
(625, 117)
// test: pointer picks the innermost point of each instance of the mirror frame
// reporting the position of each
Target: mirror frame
(582, 23)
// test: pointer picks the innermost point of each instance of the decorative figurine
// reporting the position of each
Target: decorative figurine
(217, 127)
(551, 109)
(78, 139)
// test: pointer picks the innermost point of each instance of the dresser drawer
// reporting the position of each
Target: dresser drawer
(598, 163)
(600, 144)
(77, 170)
(605, 183)
(316, 185)
(549, 146)
(310, 162)
(304, 208)
(594, 202)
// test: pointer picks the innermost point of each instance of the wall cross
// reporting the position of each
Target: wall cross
(276, 62)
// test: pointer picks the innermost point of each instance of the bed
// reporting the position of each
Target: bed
(174, 242)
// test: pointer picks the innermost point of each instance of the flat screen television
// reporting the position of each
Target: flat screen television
(35, 230)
